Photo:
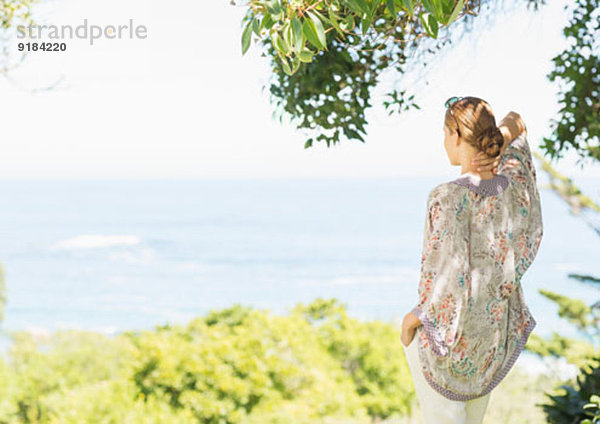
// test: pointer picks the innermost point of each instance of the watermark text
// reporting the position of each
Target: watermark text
(83, 31)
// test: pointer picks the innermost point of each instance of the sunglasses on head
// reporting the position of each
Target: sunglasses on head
(449, 104)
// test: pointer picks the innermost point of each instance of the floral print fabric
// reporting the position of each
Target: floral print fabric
(477, 245)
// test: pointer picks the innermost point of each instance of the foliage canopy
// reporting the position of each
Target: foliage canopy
(328, 55)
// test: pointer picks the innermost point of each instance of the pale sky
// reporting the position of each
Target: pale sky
(184, 103)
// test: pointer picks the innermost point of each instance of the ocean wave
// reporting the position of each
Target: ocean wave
(95, 241)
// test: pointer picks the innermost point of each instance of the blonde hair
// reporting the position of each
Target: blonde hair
(476, 124)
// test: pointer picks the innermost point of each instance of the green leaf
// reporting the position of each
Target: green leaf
(359, 7)
(267, 22)
(283, 45)
(409, 5)
(333, 19)
(318, 25)
(354, 6)
(274, 8)
(363, 5)
(246, 37)
(310, 32)
(433, 24)
(391, 5)
(459, 6)
(365, 24)
(298, 36)
(286, 32)
(306, 56)
(256, 26)
(319, 15)
(595, 398)
(323, 18)
(347, 23)
(308, 143)
(285, 65)
(430, 24)
(439, 9)
(429, 6)
(279, 43)
(447, 7)
(295, 64)
(374, 5)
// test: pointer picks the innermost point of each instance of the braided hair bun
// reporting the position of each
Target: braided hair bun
(491, 141)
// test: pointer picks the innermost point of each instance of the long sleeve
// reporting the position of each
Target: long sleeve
(517, 164)
(477, 244)
(444, 286)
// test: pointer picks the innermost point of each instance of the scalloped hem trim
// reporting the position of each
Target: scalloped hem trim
(497, 379)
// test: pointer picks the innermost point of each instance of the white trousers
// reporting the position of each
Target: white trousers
(436, 408)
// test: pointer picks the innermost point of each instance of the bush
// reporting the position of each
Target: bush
(568, 407)
(236, 365)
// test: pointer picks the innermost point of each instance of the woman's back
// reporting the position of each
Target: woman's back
(480, 237)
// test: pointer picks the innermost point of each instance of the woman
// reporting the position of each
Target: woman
(482, 231)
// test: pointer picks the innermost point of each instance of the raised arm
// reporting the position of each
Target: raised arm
(511, 126)
(516, 160)
(527, 226)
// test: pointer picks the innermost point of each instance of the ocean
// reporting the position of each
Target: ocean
(118, 255)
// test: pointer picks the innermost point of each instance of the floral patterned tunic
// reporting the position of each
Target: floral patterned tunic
(480, 237)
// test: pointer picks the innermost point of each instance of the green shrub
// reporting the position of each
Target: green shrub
(568, 407)
(235, 365)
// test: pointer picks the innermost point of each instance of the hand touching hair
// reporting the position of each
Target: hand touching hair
(474, 119)
(510, 127)
(490, 141)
